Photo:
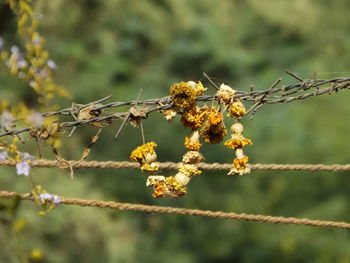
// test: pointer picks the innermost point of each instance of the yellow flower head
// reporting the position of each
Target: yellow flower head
(189, 169)
(198, 87)
(192, 157)
(237, 110)
(194, 117)
(183, 94)
(215, 118)
(237, 143)
(213, 134)
(150, 168)
(240, 163)
(191, 144)
(167, 187)
(239, 166)
(141, 153)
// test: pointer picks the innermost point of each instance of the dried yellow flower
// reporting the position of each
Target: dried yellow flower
(198, 87)
(183, 95)
(237, 139)
(192, 157)
(237, 109)
(213, 134)
(192, 145)
(240, 166)
(237, 143)
(145, 154)
(150, 168)
(240, 163)
(192, 142)
(194, 117)
(189, 169)
(215, 118)
(169, 114)
(166, 187)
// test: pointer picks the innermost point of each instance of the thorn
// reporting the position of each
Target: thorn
(211, 81)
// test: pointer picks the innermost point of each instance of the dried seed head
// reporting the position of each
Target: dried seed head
(192, 157)
(225, 93)
(237, 139)
(236, 129)
(88, 113)
(182, 178)
(150, 157)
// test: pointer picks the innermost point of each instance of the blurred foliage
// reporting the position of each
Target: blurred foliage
(117, 47)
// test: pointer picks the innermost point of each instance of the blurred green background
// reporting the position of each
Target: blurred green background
(115, 48)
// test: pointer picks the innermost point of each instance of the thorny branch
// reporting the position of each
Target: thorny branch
(275, 94)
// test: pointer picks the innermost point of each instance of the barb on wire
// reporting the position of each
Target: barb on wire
(275, 94)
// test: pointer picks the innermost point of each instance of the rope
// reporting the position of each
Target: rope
(189, 212)
(172, 165)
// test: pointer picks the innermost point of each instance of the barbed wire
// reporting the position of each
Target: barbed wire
(44, 163)
(188, 212)
(275, 94)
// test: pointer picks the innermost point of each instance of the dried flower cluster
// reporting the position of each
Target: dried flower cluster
(34, 66)
(238, 141)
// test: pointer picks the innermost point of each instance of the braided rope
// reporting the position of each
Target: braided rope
(189, 212)
(172, 165)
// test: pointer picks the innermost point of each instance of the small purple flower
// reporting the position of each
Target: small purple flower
(3, 156)
(51, 64)
(14, 50)
(50, 197)
(17, 58)
(36, 119)
(23, 168)
(6, 119)
(27, 157)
